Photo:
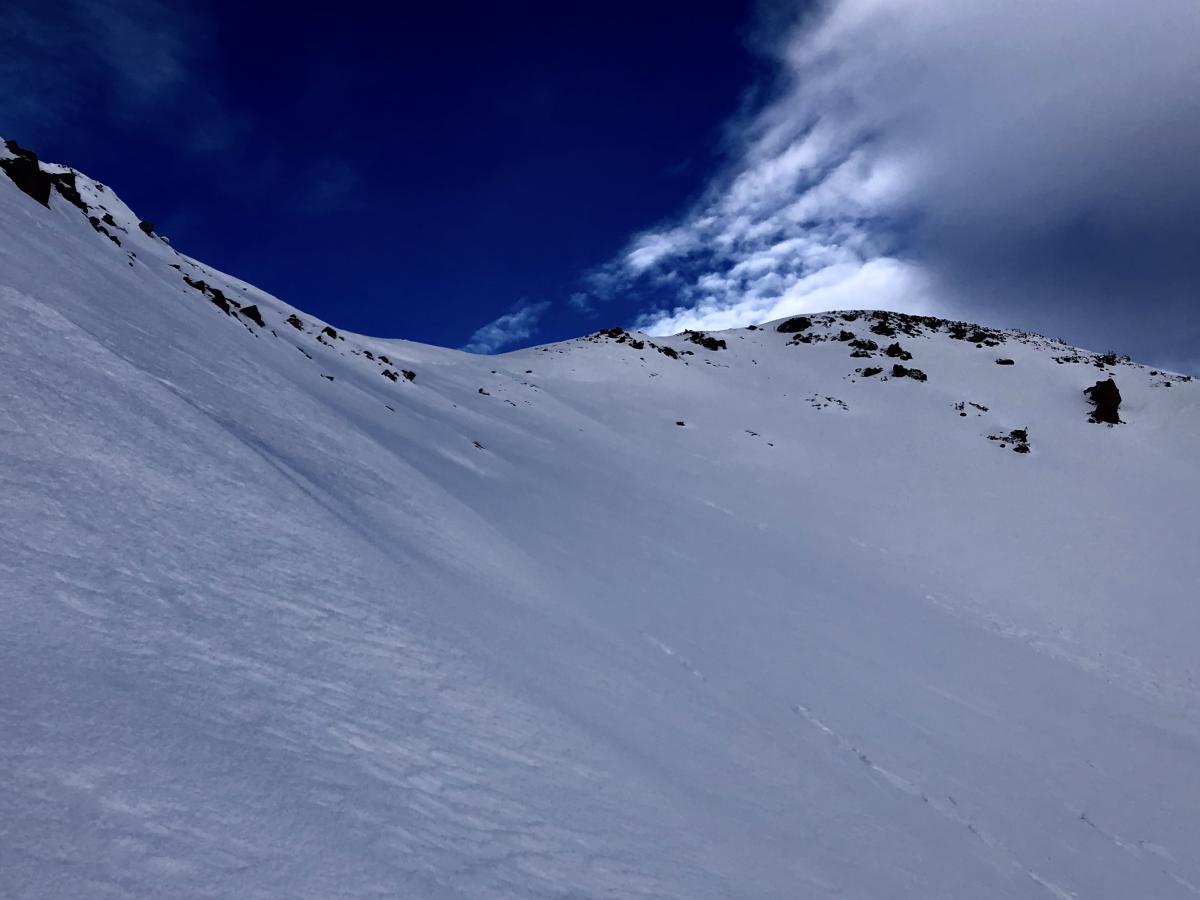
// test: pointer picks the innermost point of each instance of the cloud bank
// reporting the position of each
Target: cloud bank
(1027, 163)
(506, 330)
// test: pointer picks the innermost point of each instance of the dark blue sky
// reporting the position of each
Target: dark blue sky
(407, 170)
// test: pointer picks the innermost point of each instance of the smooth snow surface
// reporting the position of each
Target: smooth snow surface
(277, 625)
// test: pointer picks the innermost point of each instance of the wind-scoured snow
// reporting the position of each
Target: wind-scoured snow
(625, 616)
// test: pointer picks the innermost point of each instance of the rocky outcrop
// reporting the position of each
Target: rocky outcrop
(26, 174)
(1105, 398)
(252, 313)
(704, 340)
(899, 371)
(794, 325)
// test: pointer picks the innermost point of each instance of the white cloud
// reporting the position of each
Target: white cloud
(888, 283)
(508, 329)
(940, 155)
(581, 301)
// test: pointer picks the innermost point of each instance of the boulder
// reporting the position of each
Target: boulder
(252, 313)
(26, 174)
(1106, 400)
(793, 325)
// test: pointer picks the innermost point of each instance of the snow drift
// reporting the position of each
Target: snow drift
(774, 612)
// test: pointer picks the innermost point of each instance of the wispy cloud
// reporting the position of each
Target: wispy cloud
(511, 328)
(134, 54)
(332, 187)
(581, 302)
(989, 157)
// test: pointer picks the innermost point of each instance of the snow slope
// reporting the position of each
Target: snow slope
(279, 624)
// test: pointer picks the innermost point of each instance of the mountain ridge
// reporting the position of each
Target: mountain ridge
(61, 180)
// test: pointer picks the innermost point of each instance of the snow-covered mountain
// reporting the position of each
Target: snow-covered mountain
(290, 612)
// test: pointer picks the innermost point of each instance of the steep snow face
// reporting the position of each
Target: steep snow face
(292, 612)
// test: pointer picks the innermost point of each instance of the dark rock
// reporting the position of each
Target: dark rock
(680, 423)
(1105, 399)
(638, 345)
(26, 174)
(897, 352)
(871, 371)
(100, 229)
(217, 296)
(668, 351)
(147, 227)
(20, 152)
(409, 374)
(329, 331)
(703, 340)
(252, 313)
(295, 321)
(485, 393)
(1005, 362)
(845, 335)
(972, 334)
(65, 183)
(883, 329)
(793, 325)
(214, 295)
(899, 371)
(390, 375)
(1018, 437)
(864, 344)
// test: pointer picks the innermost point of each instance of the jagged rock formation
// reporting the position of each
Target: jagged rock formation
(1106, 400)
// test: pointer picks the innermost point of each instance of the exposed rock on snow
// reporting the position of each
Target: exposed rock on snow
(251, 312)
(794, 324)
(1106, 400)
(22, 167)
(704, 340)
(899, 371)
(1018, 437)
